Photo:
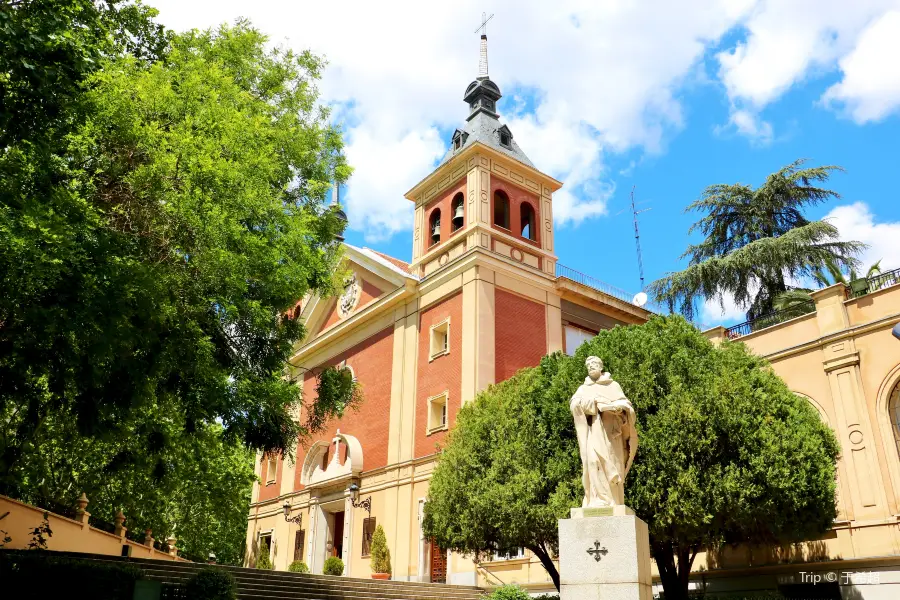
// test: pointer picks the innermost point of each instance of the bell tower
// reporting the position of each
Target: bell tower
(485, 195)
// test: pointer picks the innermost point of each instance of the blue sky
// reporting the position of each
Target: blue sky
(606, 95)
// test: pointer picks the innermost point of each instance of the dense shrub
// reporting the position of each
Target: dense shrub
(298, 566)
(509, 592)
(211, 584)
(333, 566)
(38, 574)
(381, 556)
(262, 560)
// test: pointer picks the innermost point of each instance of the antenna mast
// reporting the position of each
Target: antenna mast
(637, 237)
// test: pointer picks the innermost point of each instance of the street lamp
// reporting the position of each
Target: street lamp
(354, 499)
(287, 514)
(896, 331)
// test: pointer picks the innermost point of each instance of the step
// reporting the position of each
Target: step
(255, 584)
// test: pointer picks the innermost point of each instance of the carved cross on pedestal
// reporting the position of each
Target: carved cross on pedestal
(597, 552)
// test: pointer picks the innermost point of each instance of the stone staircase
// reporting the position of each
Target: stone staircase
(254, 584)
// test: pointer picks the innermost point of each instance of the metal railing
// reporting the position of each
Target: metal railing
(878, 282)
(601, 286)
(768, 320)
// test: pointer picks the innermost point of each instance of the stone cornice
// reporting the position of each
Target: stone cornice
(837, 336)
(461, 160)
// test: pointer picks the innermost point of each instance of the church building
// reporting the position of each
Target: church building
(482, 297)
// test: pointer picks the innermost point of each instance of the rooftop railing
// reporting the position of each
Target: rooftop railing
(601, 286)
(875, 283)
(768, 320)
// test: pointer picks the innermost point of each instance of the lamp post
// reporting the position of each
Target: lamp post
(354, 499)
(287, 514)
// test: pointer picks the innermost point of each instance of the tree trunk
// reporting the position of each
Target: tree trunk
(547, 563)
(674, 575)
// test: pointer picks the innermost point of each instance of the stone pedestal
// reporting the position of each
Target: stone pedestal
(604, 554)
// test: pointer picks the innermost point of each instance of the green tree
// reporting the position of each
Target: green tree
(263, 561)
(196, 485)
(728, 454)
(755, 241)
(381, 555)
(157, 232)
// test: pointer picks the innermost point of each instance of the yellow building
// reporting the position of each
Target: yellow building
(484, 296)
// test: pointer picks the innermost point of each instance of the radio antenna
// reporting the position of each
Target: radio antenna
(637, 236)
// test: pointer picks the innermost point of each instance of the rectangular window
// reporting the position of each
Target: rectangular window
(437, 413)
(271, 470)
(368, 533)
(440, 339)
(575, 336)
(511, 555)
(299, 540)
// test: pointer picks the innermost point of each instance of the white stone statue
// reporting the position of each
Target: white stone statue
(607, 437)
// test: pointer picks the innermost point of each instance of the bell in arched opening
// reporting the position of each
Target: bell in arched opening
(458, 215)
(436, 232)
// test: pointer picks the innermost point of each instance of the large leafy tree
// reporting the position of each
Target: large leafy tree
(756, 241)
(728, 454)
(196, 486)
(158, 219)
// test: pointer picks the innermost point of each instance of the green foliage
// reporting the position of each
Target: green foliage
(381, 555)
(40, 534)
(41, 574)
(198, 483)
(798, 301)
(298, 566)
(262, 560)
(161, 213)
(211, 584)
(727, 454)
(333, 566)
(508, 592)
(155, 232)
(756, 240)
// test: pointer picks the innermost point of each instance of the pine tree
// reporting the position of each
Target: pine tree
(756, 240)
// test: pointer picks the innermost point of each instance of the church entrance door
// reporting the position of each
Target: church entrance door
(438, 564)
(338, 537)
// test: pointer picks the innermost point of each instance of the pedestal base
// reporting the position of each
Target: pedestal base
(604, 557)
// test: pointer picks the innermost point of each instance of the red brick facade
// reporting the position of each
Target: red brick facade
(371, 361)
(444, 203)
(517, 196)
(520, 328)
(444, 373)
(272, 490)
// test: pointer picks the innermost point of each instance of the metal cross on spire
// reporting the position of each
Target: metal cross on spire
(482, 57)
(484, 21)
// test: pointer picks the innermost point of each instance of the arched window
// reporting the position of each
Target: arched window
(434, 227)
(894, 409)
(527, 213)
(501, 209)
(458, 212)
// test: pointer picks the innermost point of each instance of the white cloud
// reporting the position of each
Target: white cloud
(599, 77)
(870, 89)
(788, 42)
(856, 222)
(752, 126)
(604, 77)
